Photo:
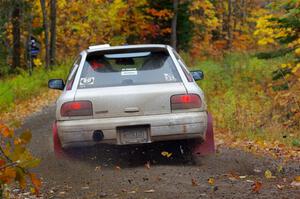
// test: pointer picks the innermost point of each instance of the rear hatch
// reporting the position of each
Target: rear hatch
(131, 100)
(129, 82)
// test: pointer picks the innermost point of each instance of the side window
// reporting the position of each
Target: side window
(72, 74)
(187, 74)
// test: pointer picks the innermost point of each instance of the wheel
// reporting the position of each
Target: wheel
(206, 146)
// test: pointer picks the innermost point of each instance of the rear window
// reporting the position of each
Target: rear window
(128, 68)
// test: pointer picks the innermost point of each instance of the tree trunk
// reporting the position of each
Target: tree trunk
(174, 24)
(244, 11)
(235, 15)
(28, 45)
(46, 31)
(229, 31)
(16, 61)
(53, 32)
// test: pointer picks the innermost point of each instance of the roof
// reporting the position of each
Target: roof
(139, 46)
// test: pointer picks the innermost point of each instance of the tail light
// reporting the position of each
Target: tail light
(188, 101)
(76, 108)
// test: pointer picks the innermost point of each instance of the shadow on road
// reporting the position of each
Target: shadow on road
(162, 153)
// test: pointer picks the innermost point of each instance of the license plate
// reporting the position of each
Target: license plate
(133, 134)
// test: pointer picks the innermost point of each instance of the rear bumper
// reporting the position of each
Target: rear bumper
(175, 126)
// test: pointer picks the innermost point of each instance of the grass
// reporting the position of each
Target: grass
(23, 86)
(237, 92)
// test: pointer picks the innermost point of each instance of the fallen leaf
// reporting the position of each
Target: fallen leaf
(242, 177)
(280, 169)
(295, 184)
(166, 154)
(131, 192)
(234, 174)
(297, 178)
(28, 193)
(33, 190)
(232, 178)
(149, 191)
(147, 165)
(36, 182)
(211, 181)
(98, 168)
(280, 186)
(5, 131)
(194, 182)
(281, 145)
(85, 188)
(257, 170)
(2, 162)
(268, 174)
(256, 187)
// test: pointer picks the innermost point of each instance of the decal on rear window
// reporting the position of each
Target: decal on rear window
(129, 71)
(84, 81)
(169, 77)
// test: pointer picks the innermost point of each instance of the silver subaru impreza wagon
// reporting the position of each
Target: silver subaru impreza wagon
(127, 95)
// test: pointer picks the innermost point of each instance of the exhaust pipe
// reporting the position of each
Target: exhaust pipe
(98, 136)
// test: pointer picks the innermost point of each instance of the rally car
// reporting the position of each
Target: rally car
(129, 95)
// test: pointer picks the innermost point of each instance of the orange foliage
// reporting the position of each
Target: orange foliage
(15, 159)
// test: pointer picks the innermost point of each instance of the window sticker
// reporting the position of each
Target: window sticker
(129, 71)
(169, 77)
(85, 81)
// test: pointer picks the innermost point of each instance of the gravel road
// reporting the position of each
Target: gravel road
(114, 172)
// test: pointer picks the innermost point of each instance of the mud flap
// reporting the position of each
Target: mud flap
(208, 145)
(58, 150)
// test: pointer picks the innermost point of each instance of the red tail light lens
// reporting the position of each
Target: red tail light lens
(188, 101)
(76, 108)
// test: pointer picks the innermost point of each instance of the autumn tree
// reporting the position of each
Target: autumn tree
(4, 44)
(203, 16)
(280, 30)
(13, 28)
(46, 33)
(52, 31)
(174, 24)
(16, 32)
(171, 23)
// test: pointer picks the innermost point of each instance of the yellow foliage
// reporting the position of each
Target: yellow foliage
(37, 62)
(297, 52)
(208, 18)
(268, 31)
(296, 70)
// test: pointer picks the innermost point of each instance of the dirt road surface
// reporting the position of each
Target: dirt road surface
(114, 172)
